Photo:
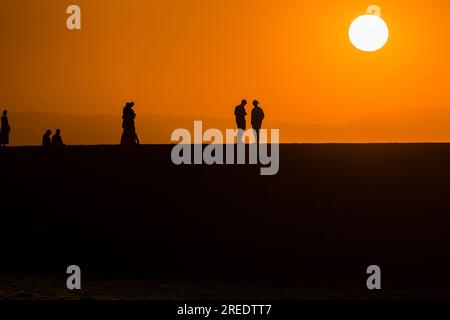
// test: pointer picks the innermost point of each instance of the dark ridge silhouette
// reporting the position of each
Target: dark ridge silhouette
(332, 211)
(433, 126)
(4, 130)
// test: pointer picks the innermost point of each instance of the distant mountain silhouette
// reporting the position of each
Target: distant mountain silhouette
(415, 125)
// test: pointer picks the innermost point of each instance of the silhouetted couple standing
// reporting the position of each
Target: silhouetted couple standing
(4, 130)
(129, 135)
(257, 118)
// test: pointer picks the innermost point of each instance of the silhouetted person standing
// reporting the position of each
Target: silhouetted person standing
(257, 118)
(128, 116)
(57, 139)
(129, 135)
(46, 138)
(240, 114)
(4, 130)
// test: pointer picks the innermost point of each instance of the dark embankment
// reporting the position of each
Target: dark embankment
(330, 212)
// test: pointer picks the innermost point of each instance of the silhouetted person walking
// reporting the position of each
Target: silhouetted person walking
(4, 130)
(240, 114)
(46, 138)
(257, 118)
(57, 139)
(129, 135)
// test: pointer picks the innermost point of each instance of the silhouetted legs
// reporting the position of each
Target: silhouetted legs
(256, 131)
(240, 135)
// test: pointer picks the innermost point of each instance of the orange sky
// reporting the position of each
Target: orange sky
(200, 57)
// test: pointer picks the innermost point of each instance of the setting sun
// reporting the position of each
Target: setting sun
(369, 32)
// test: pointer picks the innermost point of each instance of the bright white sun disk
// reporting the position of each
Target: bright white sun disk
(369, 32)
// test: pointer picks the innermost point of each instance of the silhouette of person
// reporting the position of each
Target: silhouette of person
(257, 118)
(46, 140)
(129, 135)
(57, 139)
(128, 116)
(240, 114)
(4, 130)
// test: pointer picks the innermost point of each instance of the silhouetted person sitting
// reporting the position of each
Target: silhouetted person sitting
(46, 139)
(240, 114)
(57, 139)
(257, 118)
(129, 135)
(4, 130)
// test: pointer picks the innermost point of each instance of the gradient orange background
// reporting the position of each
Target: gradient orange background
(199, 58)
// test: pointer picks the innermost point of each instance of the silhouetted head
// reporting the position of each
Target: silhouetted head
(5, 112)
(255, 103)
(48, 132)
(130, 104)
(244, 102)
(58, 131)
